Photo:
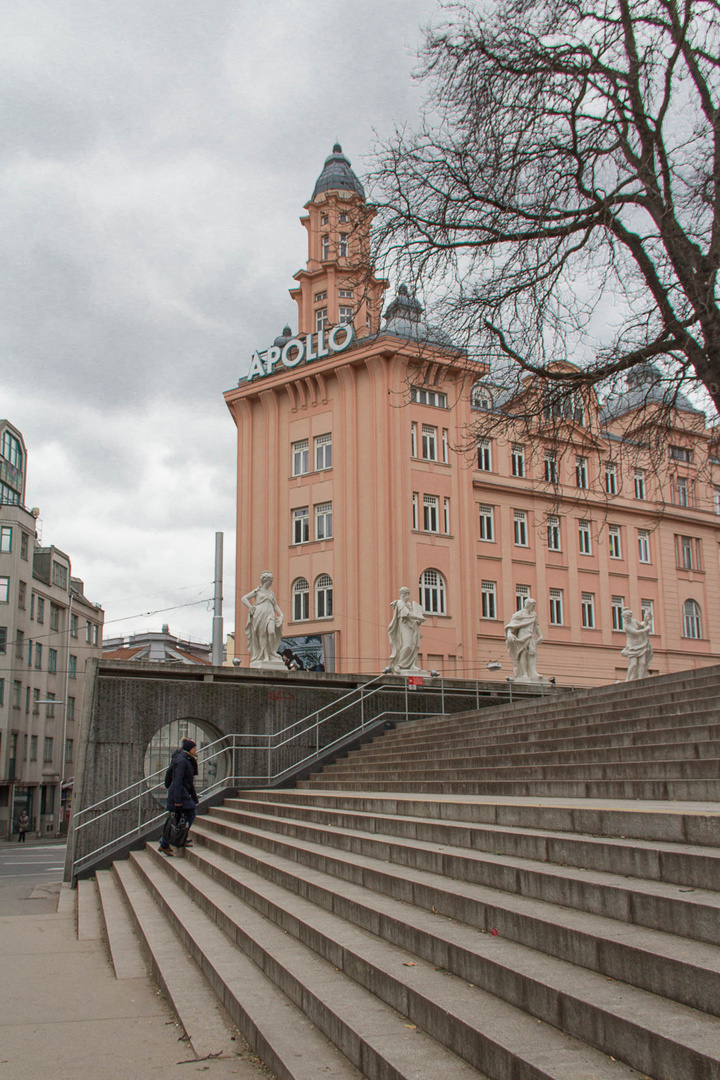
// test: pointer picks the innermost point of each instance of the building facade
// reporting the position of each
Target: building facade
(48, 629)
(357, 475)
(162, 648)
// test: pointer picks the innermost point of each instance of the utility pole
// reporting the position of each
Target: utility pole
(217, 636)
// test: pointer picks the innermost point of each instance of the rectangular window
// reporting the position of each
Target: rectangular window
(643, 546)
(4, 590)
(556, 607)
(522, 593)
(614, 541)
(344, 294)
(5, 539)
(59, 575)
(445, 445)
(446, 516)
(487, 524)
(610, 478)
(52, 661)
(553, 533)
(343, 246)
(17, 693)
(72, 666)
(687, 553)
(639, 484)
(428, 397)
(487, 593)
(320, 296)
(345, 314)
(588, 610)
(413, 440)
(325, 244)
(323, 521)
(36, 702)
(88, 631)
(430, 513)
(2, 692)
(483, 451)
(520, 528)
(616, 606)
(584, 538)
(48, 749)
(50, 707)
(716, 500)
(429, 442)
(29, 653)
(54, 617)
(19, 644)
(323, 452)
(33, 747)
(518, 460)
(321, 319)
(680, 453)
(40, 610)
(24, 543)
(301, 525)
(38, 655)
(648, 613)
(684, 491)
(415, 510)
(300, 457)
(581, 472)
(68, 751)
(73, 626)
(551, 469)
(22, 594)
(71, 708)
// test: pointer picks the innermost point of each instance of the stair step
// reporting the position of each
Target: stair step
(89, 912)
(197, 1008)
(488, 1033)
(267, 976)
(646, 903)
(668, 789)
(685, 971)
(125, 951)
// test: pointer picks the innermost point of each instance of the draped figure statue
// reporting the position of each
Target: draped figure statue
(638, 650)
(263, 628)
(404, 635)
(522, 636)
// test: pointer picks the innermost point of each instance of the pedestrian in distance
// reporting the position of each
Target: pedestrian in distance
(23, 826)
(180, 782)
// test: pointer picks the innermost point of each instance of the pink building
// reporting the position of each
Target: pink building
(354, 479)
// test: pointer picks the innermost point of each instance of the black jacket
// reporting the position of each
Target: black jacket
(182, 786)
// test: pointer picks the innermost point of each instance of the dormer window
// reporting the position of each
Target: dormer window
(325, 247)
(481, 398)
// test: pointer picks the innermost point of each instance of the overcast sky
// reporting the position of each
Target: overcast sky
(156, 156)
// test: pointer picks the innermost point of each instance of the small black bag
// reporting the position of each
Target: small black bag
(175, 830)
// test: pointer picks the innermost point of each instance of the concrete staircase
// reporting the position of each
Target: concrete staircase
(409, 916)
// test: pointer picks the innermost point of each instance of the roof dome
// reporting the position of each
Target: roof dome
(337, 175)
(284, 338)
(645, 385)
(403, 317)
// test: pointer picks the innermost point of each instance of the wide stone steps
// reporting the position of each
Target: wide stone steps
(659, 789)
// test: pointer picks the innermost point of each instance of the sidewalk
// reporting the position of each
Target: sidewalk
(66, 1015)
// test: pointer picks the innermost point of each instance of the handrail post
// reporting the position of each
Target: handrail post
(442, 695)
(406, 699)
(477, 693)
(362, 706)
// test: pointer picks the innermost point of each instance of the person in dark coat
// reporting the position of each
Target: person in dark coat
(181, 794)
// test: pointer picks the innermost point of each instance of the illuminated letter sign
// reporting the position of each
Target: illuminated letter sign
(312, 347)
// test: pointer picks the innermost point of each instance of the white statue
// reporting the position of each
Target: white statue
(404, 634)
(264, 625)
(638, 650)
(522, 635)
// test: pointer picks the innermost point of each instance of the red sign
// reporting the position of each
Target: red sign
(416, 680)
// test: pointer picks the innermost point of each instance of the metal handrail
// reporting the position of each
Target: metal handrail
(235, 743)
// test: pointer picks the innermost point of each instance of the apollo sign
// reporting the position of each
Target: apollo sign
(297, 350)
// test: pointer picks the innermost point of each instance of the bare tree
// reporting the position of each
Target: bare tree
(562, 196)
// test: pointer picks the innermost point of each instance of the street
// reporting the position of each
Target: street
(30, 877)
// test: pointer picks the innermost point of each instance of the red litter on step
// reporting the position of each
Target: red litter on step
(494, 932)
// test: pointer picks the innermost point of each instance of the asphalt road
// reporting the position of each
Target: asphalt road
(30, 877)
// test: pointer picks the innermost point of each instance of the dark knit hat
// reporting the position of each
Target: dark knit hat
(188, 744)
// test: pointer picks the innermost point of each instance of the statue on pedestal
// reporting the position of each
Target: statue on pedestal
(638, 650)
(522, 636)
(404, 635)
(263, 628)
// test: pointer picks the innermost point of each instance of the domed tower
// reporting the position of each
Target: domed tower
(337, 285)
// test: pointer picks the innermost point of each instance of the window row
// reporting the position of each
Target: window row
(301, 523)
(6, 541)
(33, 701)
(323, 598)
(337, 249)
(34, 651)
(435, 513)
(554, 533)
(322, 455)
(322, 319)
(431, 447)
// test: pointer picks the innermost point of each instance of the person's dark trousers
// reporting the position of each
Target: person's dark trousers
(21, 838)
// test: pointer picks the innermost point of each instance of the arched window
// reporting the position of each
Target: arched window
(432, 592)
(691, 619)
(323, 597)
(481, 398)
(301, 600)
